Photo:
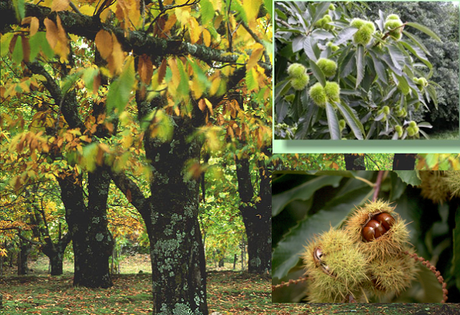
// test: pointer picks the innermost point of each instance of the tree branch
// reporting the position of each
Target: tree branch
(137, 41)
(130, 189)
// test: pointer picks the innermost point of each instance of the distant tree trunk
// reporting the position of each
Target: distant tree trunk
(235, 258)
(23, 257)
(55, 253)
(256, 218)
(354, 162)
(92, 241)
(404, 162)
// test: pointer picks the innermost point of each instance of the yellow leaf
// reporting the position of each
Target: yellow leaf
(104, 43)
(34, 24)
(195, 30)
(206, 37)
(87, 9)
(175, 71)
(115, 60)
(202, 105)
(209, 105)
(255, 56)
(51, 32)
(59, 5)
(145, 69)
(251, 7)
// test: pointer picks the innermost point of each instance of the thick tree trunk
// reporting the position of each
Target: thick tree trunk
(354, 162)
(171, 217)
(257, 219)
(404, 162)
(176, 248)
(92, 241)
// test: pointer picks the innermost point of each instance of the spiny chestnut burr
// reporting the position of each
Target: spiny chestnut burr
(377, 226)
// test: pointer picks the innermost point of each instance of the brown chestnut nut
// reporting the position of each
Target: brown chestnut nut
(378, 228)
(368, 233)
(385, 219)
(317, 255)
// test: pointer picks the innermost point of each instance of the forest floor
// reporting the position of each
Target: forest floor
(229, 292)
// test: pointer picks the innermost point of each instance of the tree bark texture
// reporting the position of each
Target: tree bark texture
(404, 162)
(92, 241)
(55, 253)
(171, 218)
(256, 218)
(23, 257)
(354, 162)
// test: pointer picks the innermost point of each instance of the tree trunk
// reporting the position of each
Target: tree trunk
(171, 217)
(256, 218)
(55, 253)
(354, 162)
(404, 162)
(92, 241)
(23, 257)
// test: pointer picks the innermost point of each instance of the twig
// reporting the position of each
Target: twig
(291, 281)
(377, 185)
(433, 270)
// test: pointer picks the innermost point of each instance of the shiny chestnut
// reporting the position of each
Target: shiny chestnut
(377, 226)
(385, 219)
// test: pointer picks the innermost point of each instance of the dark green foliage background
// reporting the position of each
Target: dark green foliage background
(310, 203)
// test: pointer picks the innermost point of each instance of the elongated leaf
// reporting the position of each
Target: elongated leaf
(298, 43)
(352, 120)
(417, 52)
(332, 122)
(432, 92)
(318, 73)
(379, 68)
(308, 48)
(345, 35)
(305, 122)
(390, 64)
(321, 9)
(417, 41)
(286, 254)
(321, 34)
(359, 64)
(302, 192)
(397, 56)
(424, 29)
(281, 89)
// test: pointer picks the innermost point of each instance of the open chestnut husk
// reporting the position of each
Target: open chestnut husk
(378, 230)
(377, 225)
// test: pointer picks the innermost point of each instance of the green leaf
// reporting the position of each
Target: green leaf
(286, 254)
(417, 52)
(236, 6)
(308, 48)
(332, 122)
(17, 51)
(424, 29)
(183, 87)
(120, 89)
(345, 35)
(207, 11)
(318, 73)
(88, 77)
(269, 6)
(320, 11)
(432, 92)
(251, 83)
(359, 64)
(417, 41)
(20, 9)
(5, 43)
(397, 56)
(379, 68)
(409, 177)
(69, 81)
(302, 192)
(352, 120)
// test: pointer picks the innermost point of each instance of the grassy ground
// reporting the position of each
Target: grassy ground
(229, 292)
